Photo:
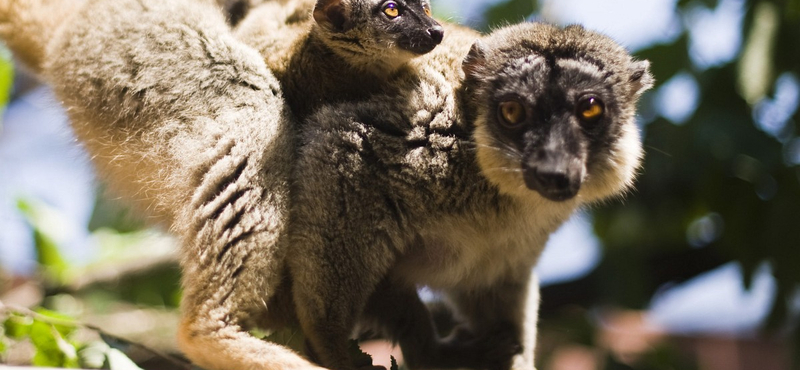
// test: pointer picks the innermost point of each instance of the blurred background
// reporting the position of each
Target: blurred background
(698, 268)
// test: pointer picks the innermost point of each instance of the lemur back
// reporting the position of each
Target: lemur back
(343, 50)
(188, 125)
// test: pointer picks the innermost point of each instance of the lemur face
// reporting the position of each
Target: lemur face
(556, 111)
(383, 28)
(408, 23)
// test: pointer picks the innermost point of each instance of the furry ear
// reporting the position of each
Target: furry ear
(333, 15)
(476, 59)
(640, 79)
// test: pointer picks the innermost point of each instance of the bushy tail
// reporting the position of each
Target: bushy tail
(27, 26)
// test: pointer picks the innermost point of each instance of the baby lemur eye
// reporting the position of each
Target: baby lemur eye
(590, 109)
(391, 9)
(512, 113)
(427, 10)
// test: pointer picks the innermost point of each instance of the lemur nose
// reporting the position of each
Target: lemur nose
(437, 33)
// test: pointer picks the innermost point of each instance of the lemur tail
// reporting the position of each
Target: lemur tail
(27, 26)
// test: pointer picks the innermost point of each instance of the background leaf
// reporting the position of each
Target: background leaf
(6, 77)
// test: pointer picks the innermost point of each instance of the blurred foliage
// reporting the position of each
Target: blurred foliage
(716, 188)
(719, 167)
(55, 342)
(507, 12)
(6, 77)
(136, 266)
(45, 223)
(110, 212)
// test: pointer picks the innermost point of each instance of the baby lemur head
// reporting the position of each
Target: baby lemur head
(555, 111)
(377, 34)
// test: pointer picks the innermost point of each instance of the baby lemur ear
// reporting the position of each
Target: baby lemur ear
(476, 58)
(333, 15)
(640, 78)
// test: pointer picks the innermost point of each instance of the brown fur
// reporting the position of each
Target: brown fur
(406, 188)
(312, 67)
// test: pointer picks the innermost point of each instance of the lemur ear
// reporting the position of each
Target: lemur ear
(333, 15)
(640, 78)
(475, 59)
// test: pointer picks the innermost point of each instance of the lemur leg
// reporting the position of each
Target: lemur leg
(399, 314)
(213, 341)
(503, 316)
(331, 287)
(233, 228)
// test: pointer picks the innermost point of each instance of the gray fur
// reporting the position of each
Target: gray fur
(411, 187)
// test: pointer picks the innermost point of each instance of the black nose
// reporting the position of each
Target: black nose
(552, 182)
(436, 33)
(555, 180)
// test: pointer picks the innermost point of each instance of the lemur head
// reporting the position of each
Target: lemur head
(555, 111)
(378, 33)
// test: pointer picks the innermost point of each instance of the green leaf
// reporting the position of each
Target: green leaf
(17, 327)
(63, 323)
(3, 348)
(6, 76)
(51, 348)
(47, 228)
(119, 361)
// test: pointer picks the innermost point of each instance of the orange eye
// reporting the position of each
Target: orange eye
(590, 109)
(512, 113)
(427, 10)
(391, 10)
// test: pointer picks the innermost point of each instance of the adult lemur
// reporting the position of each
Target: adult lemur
(457, 186)
(454, 182)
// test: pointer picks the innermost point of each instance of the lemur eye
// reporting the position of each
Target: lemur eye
(590, 109)
(427, 10)
(391, 10)
(512, 113)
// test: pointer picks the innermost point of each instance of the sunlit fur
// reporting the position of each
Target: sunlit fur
(341, 224)
(186, 124)
(27, 33)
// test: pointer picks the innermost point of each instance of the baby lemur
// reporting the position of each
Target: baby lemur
(453, 180)
(346, 50)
